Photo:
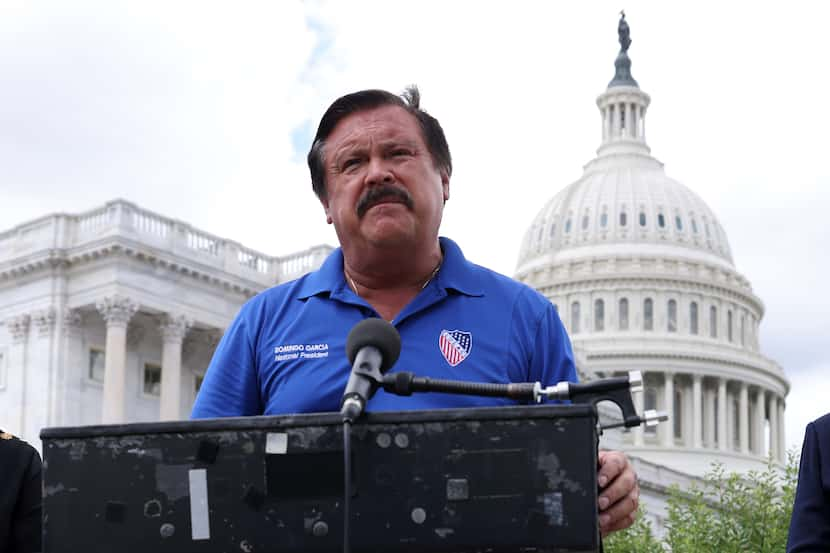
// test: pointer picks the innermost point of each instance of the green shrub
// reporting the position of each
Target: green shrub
(728, 513)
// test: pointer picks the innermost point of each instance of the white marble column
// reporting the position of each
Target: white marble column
(761, 400)
(69, 403)
(668, 400)
(709, 412)
(760, 418)
(722, 441)
(173, 329)
(18, 328)
(117, 312)
(773, 428)
(743, 417)
(606, 119)
(722, 415)
(697, 411)
(42, 389)
(629, 120)
(639, 405)
(782, 443)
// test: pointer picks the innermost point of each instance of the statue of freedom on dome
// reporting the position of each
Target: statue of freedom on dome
(624, 32)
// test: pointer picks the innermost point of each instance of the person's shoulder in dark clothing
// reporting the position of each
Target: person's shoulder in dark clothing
(810, 523)
(20, 496)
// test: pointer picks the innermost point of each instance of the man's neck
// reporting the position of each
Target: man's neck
(389, 279)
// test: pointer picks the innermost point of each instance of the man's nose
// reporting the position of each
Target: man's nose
(378, 171)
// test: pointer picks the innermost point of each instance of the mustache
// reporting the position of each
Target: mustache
(375, 194)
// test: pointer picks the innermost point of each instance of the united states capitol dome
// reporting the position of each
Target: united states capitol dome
(623, 202)
(642, 275)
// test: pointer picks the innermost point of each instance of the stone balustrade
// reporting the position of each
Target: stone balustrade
(139, 227)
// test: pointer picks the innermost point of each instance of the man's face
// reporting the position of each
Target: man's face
(382, 187)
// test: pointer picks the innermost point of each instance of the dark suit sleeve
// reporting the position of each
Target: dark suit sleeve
(26, 526)
(810, 523)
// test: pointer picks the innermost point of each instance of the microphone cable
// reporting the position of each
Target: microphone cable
(347, 473)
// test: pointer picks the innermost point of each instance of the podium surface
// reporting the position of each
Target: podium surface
(513, 479)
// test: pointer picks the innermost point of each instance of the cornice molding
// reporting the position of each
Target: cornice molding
(112, 247)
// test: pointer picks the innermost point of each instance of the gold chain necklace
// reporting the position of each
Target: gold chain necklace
(424, 285)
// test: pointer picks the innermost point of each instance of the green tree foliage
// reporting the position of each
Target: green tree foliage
(728, 513)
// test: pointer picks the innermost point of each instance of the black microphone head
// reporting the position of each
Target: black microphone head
(378, 333)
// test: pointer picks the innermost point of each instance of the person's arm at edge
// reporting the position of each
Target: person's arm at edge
(26, 518)
(810, 522)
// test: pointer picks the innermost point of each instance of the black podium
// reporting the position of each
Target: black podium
(457, 480)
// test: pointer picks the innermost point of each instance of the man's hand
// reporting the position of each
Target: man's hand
(620, 492)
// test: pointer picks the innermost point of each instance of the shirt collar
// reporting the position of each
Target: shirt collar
(456, 274)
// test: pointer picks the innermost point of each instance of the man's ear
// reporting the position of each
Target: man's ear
(325, 203)
(445, 184)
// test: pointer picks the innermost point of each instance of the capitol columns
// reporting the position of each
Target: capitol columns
(18, 328)
(782, 443)
(668, 402)
(74, 368)
(761, 422)
(774, 442)
(722, 445)
(117, 311)
(697, 411)
(743, 418)
(639, 406)
(173, 330)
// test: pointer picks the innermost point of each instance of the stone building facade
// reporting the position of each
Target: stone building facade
(112, 315)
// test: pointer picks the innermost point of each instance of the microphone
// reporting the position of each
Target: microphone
(373, 346)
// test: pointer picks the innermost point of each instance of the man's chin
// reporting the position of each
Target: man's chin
(389, 234)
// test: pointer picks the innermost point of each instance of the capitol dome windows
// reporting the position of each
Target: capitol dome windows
(599, 315)
(672, 318)
(585, 222)
(693, 317)
(694, 224)
(623, 314)
(623, 217)
(552, 229)
(642, 218)
(603, 218)
(661, 221)
(575, 317)
(568, 226)
(648, 314)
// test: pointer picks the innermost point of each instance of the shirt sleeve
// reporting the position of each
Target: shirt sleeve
(810, 522)
(552, 360)
(230, 387)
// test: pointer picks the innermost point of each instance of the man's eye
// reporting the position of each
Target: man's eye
(401, 152)
(351, 162)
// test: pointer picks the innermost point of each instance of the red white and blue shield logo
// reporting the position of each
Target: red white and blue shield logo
(455, 345)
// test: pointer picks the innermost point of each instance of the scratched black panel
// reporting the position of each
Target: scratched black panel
(459, 480)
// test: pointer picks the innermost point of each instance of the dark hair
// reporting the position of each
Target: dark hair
(365, 100)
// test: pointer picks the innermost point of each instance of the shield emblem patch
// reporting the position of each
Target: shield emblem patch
(455, 345)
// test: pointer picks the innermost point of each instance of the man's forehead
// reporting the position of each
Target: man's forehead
(382, 122)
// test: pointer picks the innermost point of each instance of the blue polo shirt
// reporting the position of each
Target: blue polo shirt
(285, 351)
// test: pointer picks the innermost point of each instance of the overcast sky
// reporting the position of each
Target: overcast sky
(204, 112)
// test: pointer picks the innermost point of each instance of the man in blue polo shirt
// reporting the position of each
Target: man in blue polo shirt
(381, 168)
